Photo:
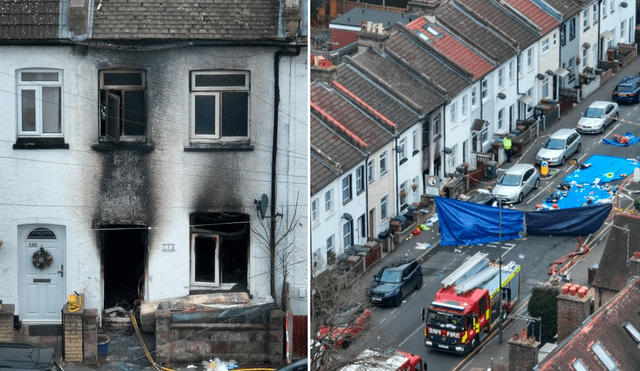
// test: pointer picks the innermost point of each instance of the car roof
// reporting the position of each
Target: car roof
(519, 169)
(629, 80)
(563, 133)
(599, 104)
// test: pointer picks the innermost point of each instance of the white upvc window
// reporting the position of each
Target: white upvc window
(512, 72)
(585, 19)
(384, 207)
(501, 119)
(414, 143)
(453, 109)
(40, 103)
(545, 46)
(383, 163)
(220, 105)
(205, 260)
(328, 201)
(530, 58)
(485, 89)
(463, 107)
(595, 13)
(402, 150)
(501, 77)
(315, 212)
(585, 55)
(371, 171)
(545, 87)
(554, 39)
(474, 96)
(347, 191)
(360, 179)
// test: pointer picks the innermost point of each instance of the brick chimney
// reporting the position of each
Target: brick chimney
(634, 262)
(574, 306)
(425, 7)
(372, 35)
(523, 352)
(323, 69)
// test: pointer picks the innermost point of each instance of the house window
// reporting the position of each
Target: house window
(436, 125)
(604, 8)
(347, 233)
(453, 109)
(383, 163)
(314, 210)
(554, 39)
(585, 55)
(623, 30)
(530, 58)
(220, 105)
(346, 189)
(331, 255)
(511, 71)
(519, 61)
(414, 142)
(572, 29)
(219, 250)
(39, 103)
(402, 151)
(360, 179)
(585, 20)
(452, 157)
(474, 96)
(501, 78)
(362, 226)
(604, 357)
(403, 195)
(579, 366)
(123, 111)
(563, 34)
(545, 45)
(485, 89)
(371, 171)
(611, 6)
(384, 212)
(328, 201)
(415, 185)
(501, 119)
(595, 13)
(463, 107)
(545, 87)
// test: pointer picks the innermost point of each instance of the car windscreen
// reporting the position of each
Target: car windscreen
(554, 143)
(626, 89)
(510, 180)
(391, 276)
(445, 320)
(594, 112)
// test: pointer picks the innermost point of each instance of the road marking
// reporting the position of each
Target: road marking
(538, 194)
(630, 198)
(443, 269)
(393, 311)
(384, 319)
(615, 127)
(414, 293)
(416, 330)
(583, 156)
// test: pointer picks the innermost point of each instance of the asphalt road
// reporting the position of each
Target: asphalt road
(401, 328)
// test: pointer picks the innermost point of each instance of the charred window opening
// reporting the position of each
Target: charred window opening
(123, 112)
(219, 251)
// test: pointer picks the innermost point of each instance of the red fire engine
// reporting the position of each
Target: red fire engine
(468, 303)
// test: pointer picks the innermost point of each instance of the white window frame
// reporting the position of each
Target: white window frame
(453, 110)
(217, 278)
(414, 144)
(328, 201)
(329, 243)
(474, 96)
(501, 119)
(452, 158)
(463, 106)
(585, 19)
(114, 130)
(436, 125)
(347, 233)
(371, 171)
(403, 189)
(595, 14)
(315, 212)
(384, 208)
(485, 89)
(623, 30)
(585, 56)
(545, 87)
(511, 71)
(384, 166)
(501, 77)
(347, 190)
(360, 179)
(545, 46)
(554, 39)
(38, 86)
(218, 91)
(402, 149)
(530, 58)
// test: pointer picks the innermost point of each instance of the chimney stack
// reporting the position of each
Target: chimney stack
(424, 7)
(372, 35)
(574, 306)
(523, 352)
(323, 69)
(634, 262)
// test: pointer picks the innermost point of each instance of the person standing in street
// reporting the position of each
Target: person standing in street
(506, 143)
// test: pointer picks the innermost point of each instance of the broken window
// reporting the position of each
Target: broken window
(219, 105)
(39, 103)
(219, 250)
(123, 112)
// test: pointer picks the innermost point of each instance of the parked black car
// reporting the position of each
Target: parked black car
(395, 282)
(26, 357)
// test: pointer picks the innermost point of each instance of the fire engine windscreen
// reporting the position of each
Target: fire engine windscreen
(445, 321)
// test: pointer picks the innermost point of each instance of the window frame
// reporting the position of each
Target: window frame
(328, 202)
(315, 211)
(402, 150)
(111, 133)
(545, 46)
(218, 277)
(384, 168)
(347, 234)
(585, 19)
(218, 92)
(38, 86)
(371, 170)
(501, 77)
(384, 208)
(347, 189)
(359, 179)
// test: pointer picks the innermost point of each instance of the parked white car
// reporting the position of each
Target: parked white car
(559, 147)
(516, 182)
(598, 116)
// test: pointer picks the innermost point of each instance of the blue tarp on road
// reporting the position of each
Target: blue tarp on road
(465, 223)
(632, 140)
(603, 169)
(566, 222)
(583, 195)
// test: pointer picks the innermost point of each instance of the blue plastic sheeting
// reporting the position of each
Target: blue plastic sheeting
(603, 169)
(585, 195)
(465, 223)
(632, 140)
(567, 222)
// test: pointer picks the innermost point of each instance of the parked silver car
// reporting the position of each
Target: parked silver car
(559, 147)
(598, 116)
(516, 183)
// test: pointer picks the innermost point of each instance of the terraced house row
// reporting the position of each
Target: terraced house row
(420, 95)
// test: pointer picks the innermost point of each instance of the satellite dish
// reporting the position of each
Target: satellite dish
(264, 204)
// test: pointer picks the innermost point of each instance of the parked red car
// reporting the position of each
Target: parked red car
(342, 328)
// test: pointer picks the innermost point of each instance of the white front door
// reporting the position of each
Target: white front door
(42, 288)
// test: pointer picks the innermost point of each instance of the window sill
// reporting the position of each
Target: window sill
(123, 146)
(415, 152)
(435, 139)
(403, 161)
(344, 202)
(216, 147)
(315, 224)
(40, 143)
(359, 191)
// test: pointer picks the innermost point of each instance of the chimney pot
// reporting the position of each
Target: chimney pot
(565, 289)
(572, 291)
(532, 339)
(636, 254)
(581, 292)
(524, 334)
(515, 337)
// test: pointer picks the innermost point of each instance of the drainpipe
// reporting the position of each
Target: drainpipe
(397, 195)
(599, 23)
(274, 155)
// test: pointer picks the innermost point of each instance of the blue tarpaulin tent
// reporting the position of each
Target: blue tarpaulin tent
(466, 223)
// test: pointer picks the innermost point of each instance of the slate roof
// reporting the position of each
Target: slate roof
(362, 130)
(480, 35)
(613, 272)
(566, 7)
(377, 100)
(453, 47)
(538, 16)
(508, 22)
(414, 91)
(328, 150)
(605, 328)
(427, 60)
(354, 17)
(29, 19)
(186, 19)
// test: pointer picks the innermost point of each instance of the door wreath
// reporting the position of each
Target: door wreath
(42, 259)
